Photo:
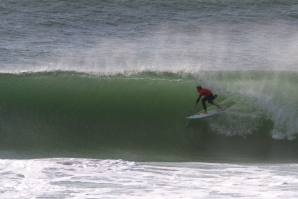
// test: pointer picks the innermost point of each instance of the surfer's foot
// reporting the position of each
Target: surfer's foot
(219, 107)
(204, 112)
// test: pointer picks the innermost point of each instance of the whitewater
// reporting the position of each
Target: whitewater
(81, 178)
(95, 95)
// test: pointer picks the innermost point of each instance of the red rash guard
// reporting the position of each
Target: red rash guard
(205, 92)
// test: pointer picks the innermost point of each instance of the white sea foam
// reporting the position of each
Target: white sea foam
(91, 178)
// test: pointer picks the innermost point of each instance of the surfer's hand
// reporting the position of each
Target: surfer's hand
(195, 106)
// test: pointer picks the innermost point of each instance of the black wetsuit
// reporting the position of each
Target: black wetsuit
(208, 98)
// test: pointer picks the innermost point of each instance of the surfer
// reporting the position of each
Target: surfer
(208, 96)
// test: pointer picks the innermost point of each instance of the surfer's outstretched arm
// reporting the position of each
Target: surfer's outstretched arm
(197, 101)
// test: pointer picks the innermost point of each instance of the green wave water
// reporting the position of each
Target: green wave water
(141, 115)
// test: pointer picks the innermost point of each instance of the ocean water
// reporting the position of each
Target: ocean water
(95, 95)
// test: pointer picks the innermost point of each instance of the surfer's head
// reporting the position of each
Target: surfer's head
(199, 88)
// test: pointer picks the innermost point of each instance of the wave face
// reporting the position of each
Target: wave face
(142, 115)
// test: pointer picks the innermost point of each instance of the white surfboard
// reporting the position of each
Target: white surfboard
(209, 113)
